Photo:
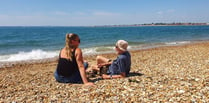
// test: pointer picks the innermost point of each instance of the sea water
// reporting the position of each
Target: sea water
(35, 43)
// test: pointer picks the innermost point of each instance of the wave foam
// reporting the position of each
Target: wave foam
(97, 50)
(32, 55)
(41, 54)
(177, 43)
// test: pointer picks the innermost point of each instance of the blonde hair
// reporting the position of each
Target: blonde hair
(68, 46)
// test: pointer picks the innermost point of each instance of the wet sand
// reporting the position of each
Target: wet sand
(164, 74)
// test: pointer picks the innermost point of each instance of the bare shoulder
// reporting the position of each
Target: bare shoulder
(62, 53)
(78, 51)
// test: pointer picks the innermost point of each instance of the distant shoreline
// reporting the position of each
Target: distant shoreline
(156, 24)
(120, 25)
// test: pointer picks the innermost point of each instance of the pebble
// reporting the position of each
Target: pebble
(170, 74)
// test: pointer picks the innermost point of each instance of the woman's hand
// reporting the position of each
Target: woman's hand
(100, 65)
(105, 76)
(103, 64)
(89, 84)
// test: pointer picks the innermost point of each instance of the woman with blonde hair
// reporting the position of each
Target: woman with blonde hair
(71, 67)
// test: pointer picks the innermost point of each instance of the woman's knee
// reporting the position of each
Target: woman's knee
(101, 59)
(98, 58)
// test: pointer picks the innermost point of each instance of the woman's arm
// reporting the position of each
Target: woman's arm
(105, 76)
(104, 64)
(79, 59)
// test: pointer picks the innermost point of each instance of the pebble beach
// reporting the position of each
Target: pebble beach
(164, 74)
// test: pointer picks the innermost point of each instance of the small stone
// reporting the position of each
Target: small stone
(181, 91)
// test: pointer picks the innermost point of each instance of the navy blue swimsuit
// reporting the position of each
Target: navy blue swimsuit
(67, 67)
(67, 70)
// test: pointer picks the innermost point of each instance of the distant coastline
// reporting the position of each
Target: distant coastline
(154, 24)
(123, 25)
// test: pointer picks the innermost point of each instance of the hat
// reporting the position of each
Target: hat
(122, 45)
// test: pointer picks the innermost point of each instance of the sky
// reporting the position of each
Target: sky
(100, 12)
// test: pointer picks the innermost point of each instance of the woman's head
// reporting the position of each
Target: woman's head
(121, 46)
(72, 41)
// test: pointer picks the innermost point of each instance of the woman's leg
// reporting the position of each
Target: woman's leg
(86, 65)
(62, 79)
(101, 60)
(74, 78)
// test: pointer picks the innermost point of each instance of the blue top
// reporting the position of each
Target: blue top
(121, 64)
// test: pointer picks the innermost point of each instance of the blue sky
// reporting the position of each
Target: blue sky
(100, 12)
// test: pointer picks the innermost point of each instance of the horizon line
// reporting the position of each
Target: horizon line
(143, 24)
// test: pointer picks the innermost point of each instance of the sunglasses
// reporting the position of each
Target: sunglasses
(78, 40)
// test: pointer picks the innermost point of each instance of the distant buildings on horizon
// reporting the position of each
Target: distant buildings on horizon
(155, 24)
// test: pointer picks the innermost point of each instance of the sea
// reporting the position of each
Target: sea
(23, 43)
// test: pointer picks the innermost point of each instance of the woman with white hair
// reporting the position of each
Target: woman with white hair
(117, 68)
